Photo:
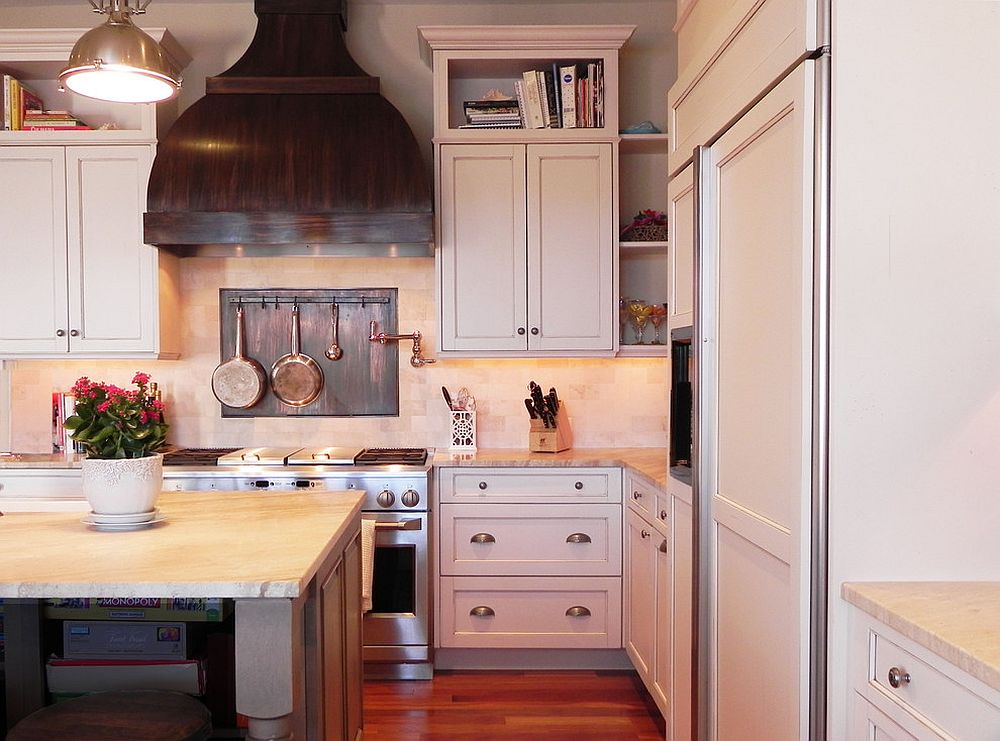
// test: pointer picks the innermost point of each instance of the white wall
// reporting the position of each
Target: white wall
(915, 423)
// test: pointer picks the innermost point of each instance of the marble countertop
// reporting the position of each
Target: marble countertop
(958, 621)
(649, 463)
(226, 544)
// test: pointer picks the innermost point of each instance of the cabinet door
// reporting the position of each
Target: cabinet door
(640, 594)
(680, 286)
(482, 247)
(33, 307)
(871, 724)
(679, 721)
(756, 313)
(112, 274)
(662, 659)
(571, 303)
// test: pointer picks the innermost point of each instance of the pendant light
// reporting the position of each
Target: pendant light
(120, 62)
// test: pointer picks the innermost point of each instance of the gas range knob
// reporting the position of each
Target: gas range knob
(385, 498)
(410, 498)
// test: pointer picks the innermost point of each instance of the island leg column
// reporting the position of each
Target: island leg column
(270, 670)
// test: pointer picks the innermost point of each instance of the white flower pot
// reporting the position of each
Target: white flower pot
(122, 486)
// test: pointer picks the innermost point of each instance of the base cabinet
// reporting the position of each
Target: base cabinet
(529, 558)
(77, 278)
(648, 597)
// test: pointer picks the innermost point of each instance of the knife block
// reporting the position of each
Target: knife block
(542, 439)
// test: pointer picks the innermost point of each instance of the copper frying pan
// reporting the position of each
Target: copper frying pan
(296, 379)
(239, 382)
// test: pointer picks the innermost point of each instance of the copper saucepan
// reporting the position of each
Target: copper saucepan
(239, 382)
(296, 379)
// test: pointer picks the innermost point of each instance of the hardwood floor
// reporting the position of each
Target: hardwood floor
(516, 705)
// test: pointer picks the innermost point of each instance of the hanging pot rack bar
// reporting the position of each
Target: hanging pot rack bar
(275, 300)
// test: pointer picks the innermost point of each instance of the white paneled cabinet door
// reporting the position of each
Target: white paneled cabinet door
(680, 288)
(641, 593)
(570, 247)
(482, 247)
(680, 721)
(755, 460)
(112, 274)
(33, 303)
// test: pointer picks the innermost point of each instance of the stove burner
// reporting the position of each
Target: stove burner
(408, 456)
(195, 456)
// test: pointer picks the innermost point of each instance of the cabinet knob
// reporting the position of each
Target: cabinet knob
(482, 611)
(898, 677)
(644, 533)
(663, 547)
(578, 538)
(578, 485)
(60, 333)
(637, 495)
(520, 330)
(534, 330)
(663, 514)
(482, 485)
(74, 333)
(482, 538)
(578, 611)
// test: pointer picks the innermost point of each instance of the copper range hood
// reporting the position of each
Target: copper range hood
(291, 151)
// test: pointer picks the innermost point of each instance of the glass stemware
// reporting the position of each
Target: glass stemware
(639, 312)
(656, 320)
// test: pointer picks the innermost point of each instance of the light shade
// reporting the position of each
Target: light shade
(120, 62)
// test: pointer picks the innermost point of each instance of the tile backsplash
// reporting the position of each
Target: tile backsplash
(611, 402)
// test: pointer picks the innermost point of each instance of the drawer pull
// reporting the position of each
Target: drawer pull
(663, 515)
(637, 495)
(578, 611)
(482, 611)
(663, 547)
(644, 533)
(482, 538)
(898, 677)
(482, 485)
(578, 485)
(578, 538)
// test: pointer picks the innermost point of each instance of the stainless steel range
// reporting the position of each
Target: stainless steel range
(396, 482)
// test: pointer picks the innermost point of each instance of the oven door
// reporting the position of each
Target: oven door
(397, 628)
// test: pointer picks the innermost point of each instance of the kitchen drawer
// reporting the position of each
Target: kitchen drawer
(530, 612)
(530, 485)
(540, 540)
(642, 497)
(931, 694)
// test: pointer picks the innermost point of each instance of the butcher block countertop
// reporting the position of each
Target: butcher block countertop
(958, 621)
(649, 463)
(221, 544)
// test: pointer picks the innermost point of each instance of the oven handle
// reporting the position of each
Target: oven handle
(398, 525)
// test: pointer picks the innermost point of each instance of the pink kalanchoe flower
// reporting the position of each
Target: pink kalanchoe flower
(103, 406)
(140, 378)
(155, 416)
(144, 417)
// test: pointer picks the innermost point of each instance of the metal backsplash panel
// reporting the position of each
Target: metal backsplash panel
(363, 382)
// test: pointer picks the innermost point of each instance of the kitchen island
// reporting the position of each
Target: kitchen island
(291, 562)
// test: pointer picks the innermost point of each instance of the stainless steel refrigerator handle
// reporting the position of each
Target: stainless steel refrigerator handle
(701, 598)
(819, 577)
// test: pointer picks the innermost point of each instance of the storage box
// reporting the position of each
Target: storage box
(96, 639)
(66, 676)
(200, 609)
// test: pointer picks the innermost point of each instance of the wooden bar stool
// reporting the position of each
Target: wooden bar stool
(136, 715)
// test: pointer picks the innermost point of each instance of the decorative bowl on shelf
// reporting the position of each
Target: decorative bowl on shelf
(646, 226)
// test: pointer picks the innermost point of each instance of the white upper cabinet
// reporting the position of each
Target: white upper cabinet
(527, 218)
(76, 278)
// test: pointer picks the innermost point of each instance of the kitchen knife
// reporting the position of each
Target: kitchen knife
(531, 409)
(555, 398)
(539, 402)
(447, 398)
(552, 404)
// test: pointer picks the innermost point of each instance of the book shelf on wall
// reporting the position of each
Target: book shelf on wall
(35, 57)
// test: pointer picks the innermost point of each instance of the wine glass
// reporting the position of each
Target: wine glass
(623, 316)
(656, 317)
(639, 312)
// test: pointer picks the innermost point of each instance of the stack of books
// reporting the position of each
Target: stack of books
(41, 120)
(492, 114)
(17, 100)
(566, 96)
